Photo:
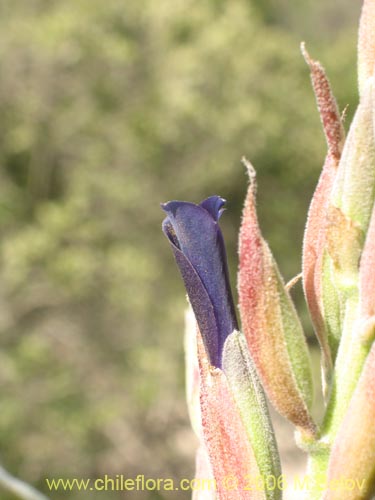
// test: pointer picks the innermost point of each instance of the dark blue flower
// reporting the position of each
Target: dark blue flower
(198, 246)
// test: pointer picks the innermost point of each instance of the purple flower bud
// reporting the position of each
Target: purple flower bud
(198, 246)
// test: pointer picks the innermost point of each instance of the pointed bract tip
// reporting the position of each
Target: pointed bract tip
(312, 63)
(250, 171)
(344, 113)
(292, 282)
(249, 166)
(305, 54)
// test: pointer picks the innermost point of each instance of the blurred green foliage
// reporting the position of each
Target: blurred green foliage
(106, 110)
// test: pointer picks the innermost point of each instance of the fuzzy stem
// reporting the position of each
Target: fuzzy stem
(19, 488)
(316, 476)
(350, 359)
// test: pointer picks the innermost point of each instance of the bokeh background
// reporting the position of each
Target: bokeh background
(108, 108)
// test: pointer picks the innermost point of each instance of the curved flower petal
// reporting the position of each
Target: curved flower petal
(198, 247)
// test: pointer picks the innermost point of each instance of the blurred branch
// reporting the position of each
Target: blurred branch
(18, 487)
